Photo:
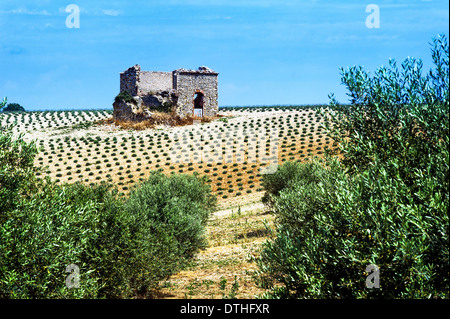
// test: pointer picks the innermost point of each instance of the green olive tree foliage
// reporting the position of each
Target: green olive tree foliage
(397, 113)
(14, 107)
(45, 227)
(168, 215)
(17, 170)
(384, 202)
(3, 103)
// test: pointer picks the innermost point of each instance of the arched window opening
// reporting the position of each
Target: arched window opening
(199, 101)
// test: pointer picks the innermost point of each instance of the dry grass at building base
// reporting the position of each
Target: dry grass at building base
(157, 119)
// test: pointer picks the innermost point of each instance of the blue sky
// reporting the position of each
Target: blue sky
(267, 52)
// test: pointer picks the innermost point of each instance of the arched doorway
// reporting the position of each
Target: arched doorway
(199, 101)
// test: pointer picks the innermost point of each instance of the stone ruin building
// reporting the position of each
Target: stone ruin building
(187, 92)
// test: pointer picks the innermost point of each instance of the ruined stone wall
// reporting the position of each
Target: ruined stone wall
(154, 81)
(189, 83)
(129, 80)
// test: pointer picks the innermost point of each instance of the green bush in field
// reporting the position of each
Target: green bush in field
(13, 107)
(56, 227)
(285, 177)
(385, 202)
(125, 96)
(331, 225)
(121, 251)
(17, 171)
(44, 231)
(172, 212)
(397, 113)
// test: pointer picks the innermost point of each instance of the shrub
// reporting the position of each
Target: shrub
(17, 170)
(122, 251)
(285, 176)
(125, 96)
(395, 113)
(330, 226)
(171, 213)
(64, 225)
(13, 107)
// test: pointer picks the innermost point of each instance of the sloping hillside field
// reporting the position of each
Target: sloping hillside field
(232, 152)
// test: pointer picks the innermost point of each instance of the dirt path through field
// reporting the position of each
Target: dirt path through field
(245, 203)
(224, 269)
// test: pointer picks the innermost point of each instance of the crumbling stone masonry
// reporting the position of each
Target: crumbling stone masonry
(188, 92)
